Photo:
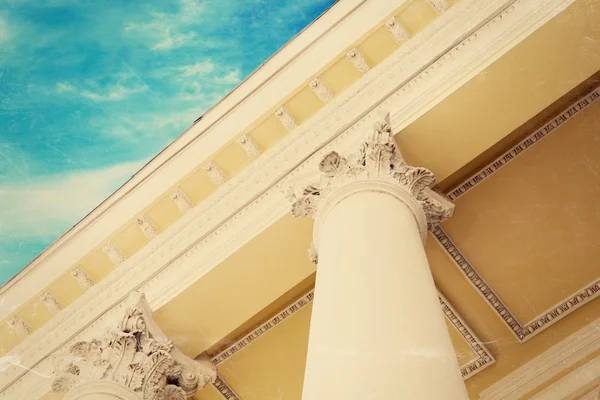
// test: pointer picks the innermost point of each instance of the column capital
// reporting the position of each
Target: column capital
(376, 166)
(136, 355)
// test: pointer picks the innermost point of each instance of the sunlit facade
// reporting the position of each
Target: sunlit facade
(399, 204)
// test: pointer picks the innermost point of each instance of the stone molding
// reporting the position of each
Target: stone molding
(523, 331)
(253, 199)
(377, 161)
(547, 365)
(483, 359)
(137, 355)
(571, 385)
(224, 389)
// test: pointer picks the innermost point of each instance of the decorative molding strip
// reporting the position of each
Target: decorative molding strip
(116, 255)
(224, 389)
(439, 5)
(83, 279)
(51, 303)
(572, 383)
(522, 331)
(484, 358)
(477, 281)
(183, 202)
(249, 146)
(593, 395)
(526, 143)
(147, 226)
(215, 173)
(290, 310)
(397, 30)
(408, 83)
(358, 61)
(286, 119)
(19, 326)
(547, 365)
(322, 91)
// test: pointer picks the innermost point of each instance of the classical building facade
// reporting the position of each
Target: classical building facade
(399, 204)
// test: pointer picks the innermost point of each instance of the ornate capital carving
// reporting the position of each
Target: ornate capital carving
(377, 160)
(136, 355)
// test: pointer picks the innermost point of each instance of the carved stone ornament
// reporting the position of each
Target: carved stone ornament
(136, 355)
(19, 326)
(215, 173)
(147, 226)
(439, 5)
(322, 91)
(83, 279)
(116, 255)
(398, 31)
(51, 303)
(286, 119)
(183, 202)
(358, 61)
(378, 159)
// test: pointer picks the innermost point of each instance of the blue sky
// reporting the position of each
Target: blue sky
(91, 90)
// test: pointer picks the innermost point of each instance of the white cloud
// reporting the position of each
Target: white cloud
(198, 69)
(114, 93)
(232, 77)
(173, 41)
(42, 206)
(64, 87)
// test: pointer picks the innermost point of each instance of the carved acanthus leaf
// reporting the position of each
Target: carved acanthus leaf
(137, 355)
(377, 159)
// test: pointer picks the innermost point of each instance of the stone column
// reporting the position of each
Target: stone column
(377, 330)
(135, 361)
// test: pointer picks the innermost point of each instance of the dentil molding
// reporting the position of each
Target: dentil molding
(408, 83)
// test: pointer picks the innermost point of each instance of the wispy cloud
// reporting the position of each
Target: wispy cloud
(117, 92)
(231, 78)
(171, 41)
(47, 205)
(197, 69)
(64, 87)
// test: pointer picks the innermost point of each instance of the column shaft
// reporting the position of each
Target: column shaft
(377, 330)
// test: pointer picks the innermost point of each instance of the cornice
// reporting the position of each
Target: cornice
(408, 83)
